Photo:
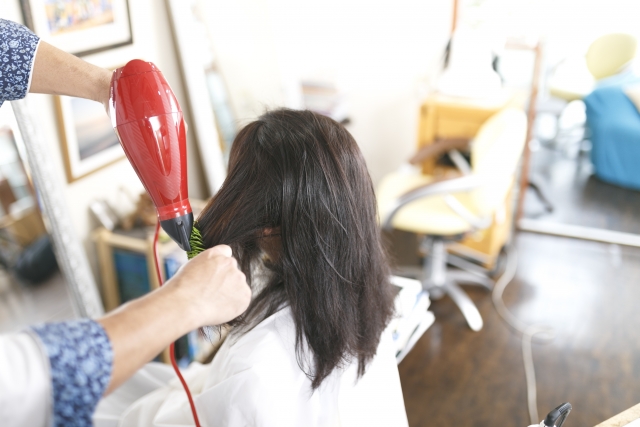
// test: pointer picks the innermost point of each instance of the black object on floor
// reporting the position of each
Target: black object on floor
(37, 262)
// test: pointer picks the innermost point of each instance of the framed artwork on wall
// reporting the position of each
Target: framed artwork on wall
(209, 104)
(87, 137)
(80, 27)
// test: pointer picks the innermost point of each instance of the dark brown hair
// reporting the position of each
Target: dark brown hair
(301, 177)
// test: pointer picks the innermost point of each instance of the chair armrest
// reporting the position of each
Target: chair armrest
(455, 185)
(438, 148)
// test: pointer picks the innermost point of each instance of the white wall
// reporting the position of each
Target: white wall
(378, 52)
(153, 42)
(568, 27)
(245, 47)
(381, 52)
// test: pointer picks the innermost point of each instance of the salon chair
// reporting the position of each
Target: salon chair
(607, 56)
(446, 210)
(606, 62)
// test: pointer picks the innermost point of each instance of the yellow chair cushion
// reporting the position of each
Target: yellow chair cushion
(610, 53)
(430, 215)
(575, 77)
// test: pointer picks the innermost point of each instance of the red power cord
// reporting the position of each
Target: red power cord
(172, 352)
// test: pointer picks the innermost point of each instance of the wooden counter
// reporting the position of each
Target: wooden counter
(623, 418)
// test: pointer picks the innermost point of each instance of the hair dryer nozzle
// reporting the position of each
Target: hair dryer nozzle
(179, 229)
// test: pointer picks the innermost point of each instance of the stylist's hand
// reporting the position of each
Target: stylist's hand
(208, 290)
(214, 288)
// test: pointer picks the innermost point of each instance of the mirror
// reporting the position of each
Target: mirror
(582, 180)
(28, 187)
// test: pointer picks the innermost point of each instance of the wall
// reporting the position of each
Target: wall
(153, 42)
(380, 53)
(245, 47)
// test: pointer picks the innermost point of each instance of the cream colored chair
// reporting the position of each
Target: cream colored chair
(447, 210)
(575, 77)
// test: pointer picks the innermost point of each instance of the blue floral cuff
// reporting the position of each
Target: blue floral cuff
(17, 51)
(80, 359)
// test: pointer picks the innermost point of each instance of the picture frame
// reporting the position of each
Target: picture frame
(79, 27)
(209, 105)
(88, 141)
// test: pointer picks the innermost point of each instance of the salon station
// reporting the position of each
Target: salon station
(431, 210)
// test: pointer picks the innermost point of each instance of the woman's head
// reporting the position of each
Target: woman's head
(298, 190)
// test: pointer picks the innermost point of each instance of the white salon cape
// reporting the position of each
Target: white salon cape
(255, 380)
(25, 382)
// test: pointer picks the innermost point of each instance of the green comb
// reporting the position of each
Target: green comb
(195, 240)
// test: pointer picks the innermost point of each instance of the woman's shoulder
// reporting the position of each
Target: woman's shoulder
(271, 342)
(263, 354)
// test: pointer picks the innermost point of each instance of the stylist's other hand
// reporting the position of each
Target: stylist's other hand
(213, 287)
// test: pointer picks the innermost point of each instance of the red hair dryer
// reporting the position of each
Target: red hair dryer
(148, 121)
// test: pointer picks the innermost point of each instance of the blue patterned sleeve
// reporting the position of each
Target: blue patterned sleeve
(17, 51)
(80, 360)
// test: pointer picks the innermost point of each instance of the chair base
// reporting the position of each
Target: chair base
(439, 280)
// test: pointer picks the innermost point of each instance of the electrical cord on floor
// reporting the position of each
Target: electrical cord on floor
(544, 333)
(172, 349)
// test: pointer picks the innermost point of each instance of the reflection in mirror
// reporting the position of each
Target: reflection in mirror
(583, 179)
(16, 193)
(37, 283)
(31, 286)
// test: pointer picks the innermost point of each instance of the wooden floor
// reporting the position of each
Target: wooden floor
(589, 292)
(578, 196)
